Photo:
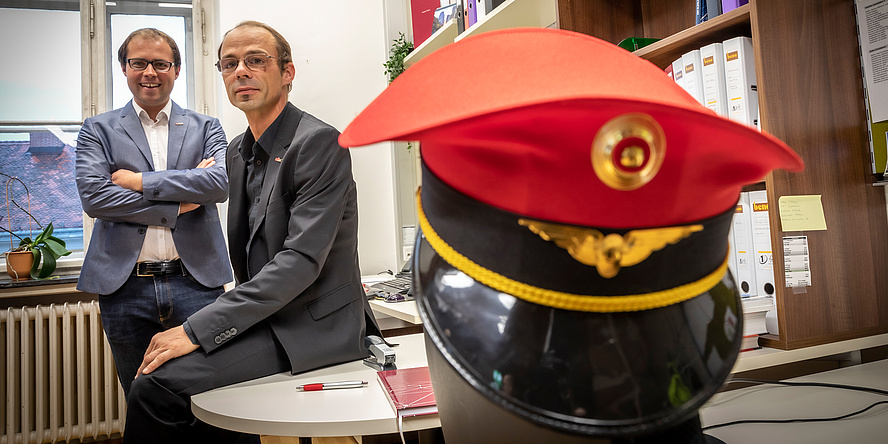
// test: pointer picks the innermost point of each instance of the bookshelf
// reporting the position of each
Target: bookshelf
(509, 14)
(810, 96)
(438, 40)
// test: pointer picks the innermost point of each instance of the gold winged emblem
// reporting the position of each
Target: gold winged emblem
(609, 253)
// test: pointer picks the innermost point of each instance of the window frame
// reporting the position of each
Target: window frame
(98, 65)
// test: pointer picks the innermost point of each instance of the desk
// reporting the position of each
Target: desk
(272, 405)
(782, 402)
(405, 310)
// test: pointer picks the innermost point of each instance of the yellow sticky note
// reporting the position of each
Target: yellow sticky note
(801, 213)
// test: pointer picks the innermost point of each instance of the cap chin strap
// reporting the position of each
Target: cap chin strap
(562, 300)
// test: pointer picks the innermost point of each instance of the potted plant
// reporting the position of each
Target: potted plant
(35, 257)
(394, 66)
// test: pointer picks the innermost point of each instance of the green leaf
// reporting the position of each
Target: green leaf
(56, 246)
(43, 271)
(44, 234)
(400, 48)
(60, 241)
(36, 265)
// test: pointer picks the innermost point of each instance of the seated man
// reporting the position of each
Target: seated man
(293, 226)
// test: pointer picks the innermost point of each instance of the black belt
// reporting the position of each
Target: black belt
(162, 268)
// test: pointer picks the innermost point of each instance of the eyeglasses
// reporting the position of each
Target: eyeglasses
(253, 62)
(142, 64)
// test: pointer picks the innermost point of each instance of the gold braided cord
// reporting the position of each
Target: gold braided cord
(562, 300)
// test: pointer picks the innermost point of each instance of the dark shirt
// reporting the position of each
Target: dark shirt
(255, 154)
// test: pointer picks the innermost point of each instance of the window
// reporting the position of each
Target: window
(171, 18)
(66, 69)
(39, 119)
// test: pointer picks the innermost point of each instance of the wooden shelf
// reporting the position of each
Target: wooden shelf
(734, 23)
(769, 357)
(810, 92)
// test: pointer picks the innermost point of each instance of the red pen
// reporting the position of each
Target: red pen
(330, 385)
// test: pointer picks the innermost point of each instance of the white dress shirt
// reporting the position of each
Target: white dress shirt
(158, 245)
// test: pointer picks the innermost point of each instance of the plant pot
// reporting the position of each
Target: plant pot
(18, 265)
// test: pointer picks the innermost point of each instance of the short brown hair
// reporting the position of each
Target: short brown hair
(283, 47)
(150, 34)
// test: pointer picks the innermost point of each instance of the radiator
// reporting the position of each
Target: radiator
(61, 384)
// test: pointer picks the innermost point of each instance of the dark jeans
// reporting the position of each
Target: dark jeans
(143, 307)
(159, 404)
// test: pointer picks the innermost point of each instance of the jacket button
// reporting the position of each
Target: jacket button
(156, 193)
(142, 230)
(163, 220)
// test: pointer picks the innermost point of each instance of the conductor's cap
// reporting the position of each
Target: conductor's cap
(557, 133)
(575, 210)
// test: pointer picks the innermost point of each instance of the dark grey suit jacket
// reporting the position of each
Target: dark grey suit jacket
(310, 291)
(115, 140)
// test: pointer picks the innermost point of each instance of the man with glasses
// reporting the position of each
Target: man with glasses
(148, 173)
(292, 226)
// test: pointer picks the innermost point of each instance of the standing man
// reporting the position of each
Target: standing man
(147, 173)
(293, 227)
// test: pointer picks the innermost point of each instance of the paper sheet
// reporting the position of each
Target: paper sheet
(801, 213)
(796, 269)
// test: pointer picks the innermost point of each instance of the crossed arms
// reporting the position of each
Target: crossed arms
(111, 170)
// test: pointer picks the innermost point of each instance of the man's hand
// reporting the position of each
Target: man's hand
(185, 207)
(206, 163)
(133, 181)
(128, 179)
(164, 346)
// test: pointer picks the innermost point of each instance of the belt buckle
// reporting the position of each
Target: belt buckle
(139, 271)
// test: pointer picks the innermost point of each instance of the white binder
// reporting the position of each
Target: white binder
(761, 240)
(715, 95)
(693, 75)
(740, 80)
(732, 255)
(742, 247)
(677, 72)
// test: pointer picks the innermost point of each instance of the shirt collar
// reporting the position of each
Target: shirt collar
(164, 112)
(267, 140)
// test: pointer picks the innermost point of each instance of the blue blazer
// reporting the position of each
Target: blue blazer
(115, 140)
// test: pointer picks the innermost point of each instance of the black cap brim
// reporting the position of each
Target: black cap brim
(600, 374)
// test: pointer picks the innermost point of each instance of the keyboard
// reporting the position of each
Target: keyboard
(398, 285)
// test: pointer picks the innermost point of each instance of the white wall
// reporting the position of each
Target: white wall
(339, 48)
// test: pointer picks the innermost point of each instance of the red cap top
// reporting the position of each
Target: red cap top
(565, 127)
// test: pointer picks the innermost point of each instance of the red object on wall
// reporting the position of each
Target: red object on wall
(422, 13)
